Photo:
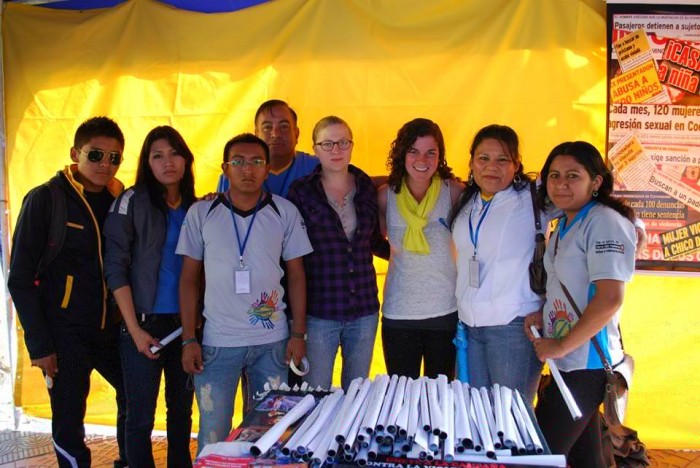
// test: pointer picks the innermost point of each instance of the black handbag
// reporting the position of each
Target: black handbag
(538, 275)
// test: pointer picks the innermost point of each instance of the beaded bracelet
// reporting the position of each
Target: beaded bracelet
(188, 341)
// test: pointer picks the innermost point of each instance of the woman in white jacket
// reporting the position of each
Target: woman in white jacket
(494, 234)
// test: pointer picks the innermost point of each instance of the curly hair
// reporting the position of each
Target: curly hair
(590, 158)
(405, 138)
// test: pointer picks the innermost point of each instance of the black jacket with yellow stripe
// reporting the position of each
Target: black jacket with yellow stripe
(71, 293)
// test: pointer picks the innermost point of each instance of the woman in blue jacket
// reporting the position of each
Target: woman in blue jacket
(142, 270)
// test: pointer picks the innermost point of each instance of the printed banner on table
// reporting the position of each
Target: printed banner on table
(654, 126)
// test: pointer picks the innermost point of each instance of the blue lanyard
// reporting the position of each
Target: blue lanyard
(287, 172)
(241, 247)
(474, 236)
(564, 228)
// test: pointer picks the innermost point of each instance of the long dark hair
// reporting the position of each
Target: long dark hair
(590, 158)
(508, 139)
(144, 174)
(405, 138)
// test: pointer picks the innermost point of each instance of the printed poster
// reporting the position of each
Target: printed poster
(654, 126)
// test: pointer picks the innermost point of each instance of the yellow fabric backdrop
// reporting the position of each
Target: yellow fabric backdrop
(538, 66)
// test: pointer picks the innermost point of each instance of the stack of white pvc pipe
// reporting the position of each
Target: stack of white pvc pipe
(425, 419)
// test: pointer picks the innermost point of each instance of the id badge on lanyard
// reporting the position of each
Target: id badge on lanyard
(241, 279)
(241, 275)
(474, 281)
(474, 267)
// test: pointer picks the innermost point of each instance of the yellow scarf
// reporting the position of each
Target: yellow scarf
(416, 215)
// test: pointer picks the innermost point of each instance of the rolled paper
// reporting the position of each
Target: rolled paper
(398, 402)
(341, 421)
(373, 450)
(476, 436)
(532, 432)
(521, 433)
(417, 387)
(275, 432)
(433, 442)
(312, 447)
(291, 444)
(519, 443)
(322, 449)
(387, 404)
(333, 450)
(401, 423)
(388, 439)
(355, 428)
(362, 456)
(379, 436)
(421, 438)
(563, 388)
(498, 410)
(488, 409)
(436, 420)
(460, 341)
(508, 422)
(472, 418)
(329, 405)
(482, 423)
(349, 417)
(449, 447)
(442, 388)
(424, 405)
(381, 383)
(166, 340)
(462, 433)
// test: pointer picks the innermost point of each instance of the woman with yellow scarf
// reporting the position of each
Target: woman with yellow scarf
(419, 311)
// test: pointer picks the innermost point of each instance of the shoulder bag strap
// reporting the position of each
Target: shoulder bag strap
(535, 211)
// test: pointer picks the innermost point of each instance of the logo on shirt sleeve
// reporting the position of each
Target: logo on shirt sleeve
(609, 246)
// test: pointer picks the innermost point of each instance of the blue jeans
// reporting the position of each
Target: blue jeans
(142, 384)
(215, 387)
(356, 341)
(503, 355)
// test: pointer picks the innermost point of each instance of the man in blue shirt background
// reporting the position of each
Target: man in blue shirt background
(276, 124)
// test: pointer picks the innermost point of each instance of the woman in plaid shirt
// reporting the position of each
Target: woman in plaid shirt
(339, 205)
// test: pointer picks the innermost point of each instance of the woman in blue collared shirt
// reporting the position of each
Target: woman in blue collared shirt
(142, 270)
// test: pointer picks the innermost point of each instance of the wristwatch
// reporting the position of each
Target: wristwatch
(302, 336)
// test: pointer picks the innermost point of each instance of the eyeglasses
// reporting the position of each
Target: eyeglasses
(96, 155)
(241, 163)
(328, 145)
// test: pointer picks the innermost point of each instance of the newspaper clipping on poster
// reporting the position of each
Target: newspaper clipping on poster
(654, 129)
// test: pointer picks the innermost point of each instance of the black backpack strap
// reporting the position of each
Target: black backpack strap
(535, 211)
(57, 228)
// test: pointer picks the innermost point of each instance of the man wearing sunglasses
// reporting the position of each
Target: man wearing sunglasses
(70, 322)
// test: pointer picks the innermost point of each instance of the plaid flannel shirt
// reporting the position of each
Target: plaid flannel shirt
(341, 282)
